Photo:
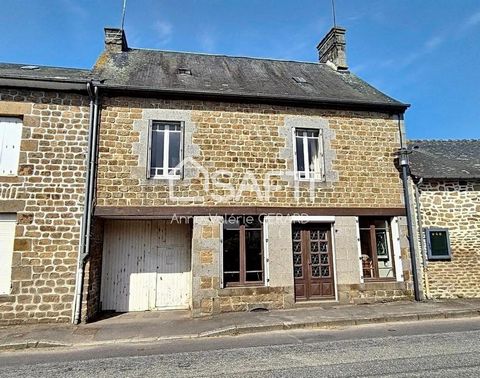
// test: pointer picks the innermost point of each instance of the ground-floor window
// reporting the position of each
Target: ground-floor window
(438, 244)
(242, 251)
(376, 248)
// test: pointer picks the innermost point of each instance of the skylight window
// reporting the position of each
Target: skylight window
(300, 80)
(184, 71)
(29, 67)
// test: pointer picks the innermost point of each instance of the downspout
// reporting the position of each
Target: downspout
(85, 230)
(420, 236)
(404, 164)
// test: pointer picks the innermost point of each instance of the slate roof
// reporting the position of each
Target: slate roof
(220, 75)
(445, 159)
(34, 72)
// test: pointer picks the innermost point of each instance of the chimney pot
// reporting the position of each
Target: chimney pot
(115, 40)
(332, 48)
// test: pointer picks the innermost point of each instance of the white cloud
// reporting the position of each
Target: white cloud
(207, 41)
(473, 20)
(434, 42)
(164, 31)
(75, 8)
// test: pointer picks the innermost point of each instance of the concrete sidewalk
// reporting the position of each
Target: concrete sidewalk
(156, 325)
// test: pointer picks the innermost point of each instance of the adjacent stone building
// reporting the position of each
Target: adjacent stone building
(213, 184)
(44, 115)
(446, 177)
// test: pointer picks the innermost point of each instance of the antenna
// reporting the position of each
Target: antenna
(123, 12)
(334, 15)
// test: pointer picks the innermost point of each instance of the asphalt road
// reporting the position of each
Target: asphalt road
(441, 348)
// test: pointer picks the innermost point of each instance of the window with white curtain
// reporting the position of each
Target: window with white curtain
(309, 164)
(166, 149)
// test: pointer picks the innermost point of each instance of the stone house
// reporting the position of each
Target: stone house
(446, 193)
(215, 184)
(44, 114)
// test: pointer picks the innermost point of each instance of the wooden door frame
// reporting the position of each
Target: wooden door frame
(329, 224)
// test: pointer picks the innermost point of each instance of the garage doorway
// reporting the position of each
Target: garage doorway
(146, 265)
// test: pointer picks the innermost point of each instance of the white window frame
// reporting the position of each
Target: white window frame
(8, 222)
(166, 146)
(309, 176)
(10, 139)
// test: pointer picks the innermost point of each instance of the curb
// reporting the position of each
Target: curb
(344, 322)
(249, 329)
(31, 345)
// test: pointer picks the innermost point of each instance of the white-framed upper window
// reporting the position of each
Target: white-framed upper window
(165, 149)
(308, 152)
(10, 138)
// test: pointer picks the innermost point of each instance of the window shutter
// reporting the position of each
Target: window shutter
(10, 138)
(7, 235)
(294, 145)
(182, 142)
(321, 154)
(149, 148)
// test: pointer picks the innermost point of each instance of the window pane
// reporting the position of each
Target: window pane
(377, 228)
(300, 155)
(313, 162)
(439, 243)
(385, 266)
(253, 255)
(367, 255)
(157, 149)
(231, 255)
(174, 149)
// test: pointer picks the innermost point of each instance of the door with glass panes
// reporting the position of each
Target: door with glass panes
(312, 262)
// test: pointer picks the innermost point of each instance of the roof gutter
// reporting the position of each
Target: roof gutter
(120, 90)
(42, 83)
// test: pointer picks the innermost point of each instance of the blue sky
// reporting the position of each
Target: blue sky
(424, 52)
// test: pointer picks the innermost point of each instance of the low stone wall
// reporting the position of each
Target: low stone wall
(371, 292)
(246, 299)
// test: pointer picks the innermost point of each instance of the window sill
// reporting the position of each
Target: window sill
(310, 180)
(165, 178)
(244, 285)
(386, 279)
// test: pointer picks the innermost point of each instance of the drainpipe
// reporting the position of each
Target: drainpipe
(85, 230)
(404, 164)
(420, 236)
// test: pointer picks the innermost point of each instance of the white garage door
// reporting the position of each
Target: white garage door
(146, 265)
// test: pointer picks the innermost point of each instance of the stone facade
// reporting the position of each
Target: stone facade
(359, 152)
(454, 205)
(243, 138)
(47, 196)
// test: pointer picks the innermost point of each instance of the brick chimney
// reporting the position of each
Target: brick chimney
(332, 48)
(115, 40)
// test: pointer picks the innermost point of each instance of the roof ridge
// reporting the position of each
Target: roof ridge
(229, 56)
(443, 140)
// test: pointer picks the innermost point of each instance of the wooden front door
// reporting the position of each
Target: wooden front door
(312, 262)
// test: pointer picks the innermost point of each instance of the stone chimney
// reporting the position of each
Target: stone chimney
(115, 40)
(332, 48)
